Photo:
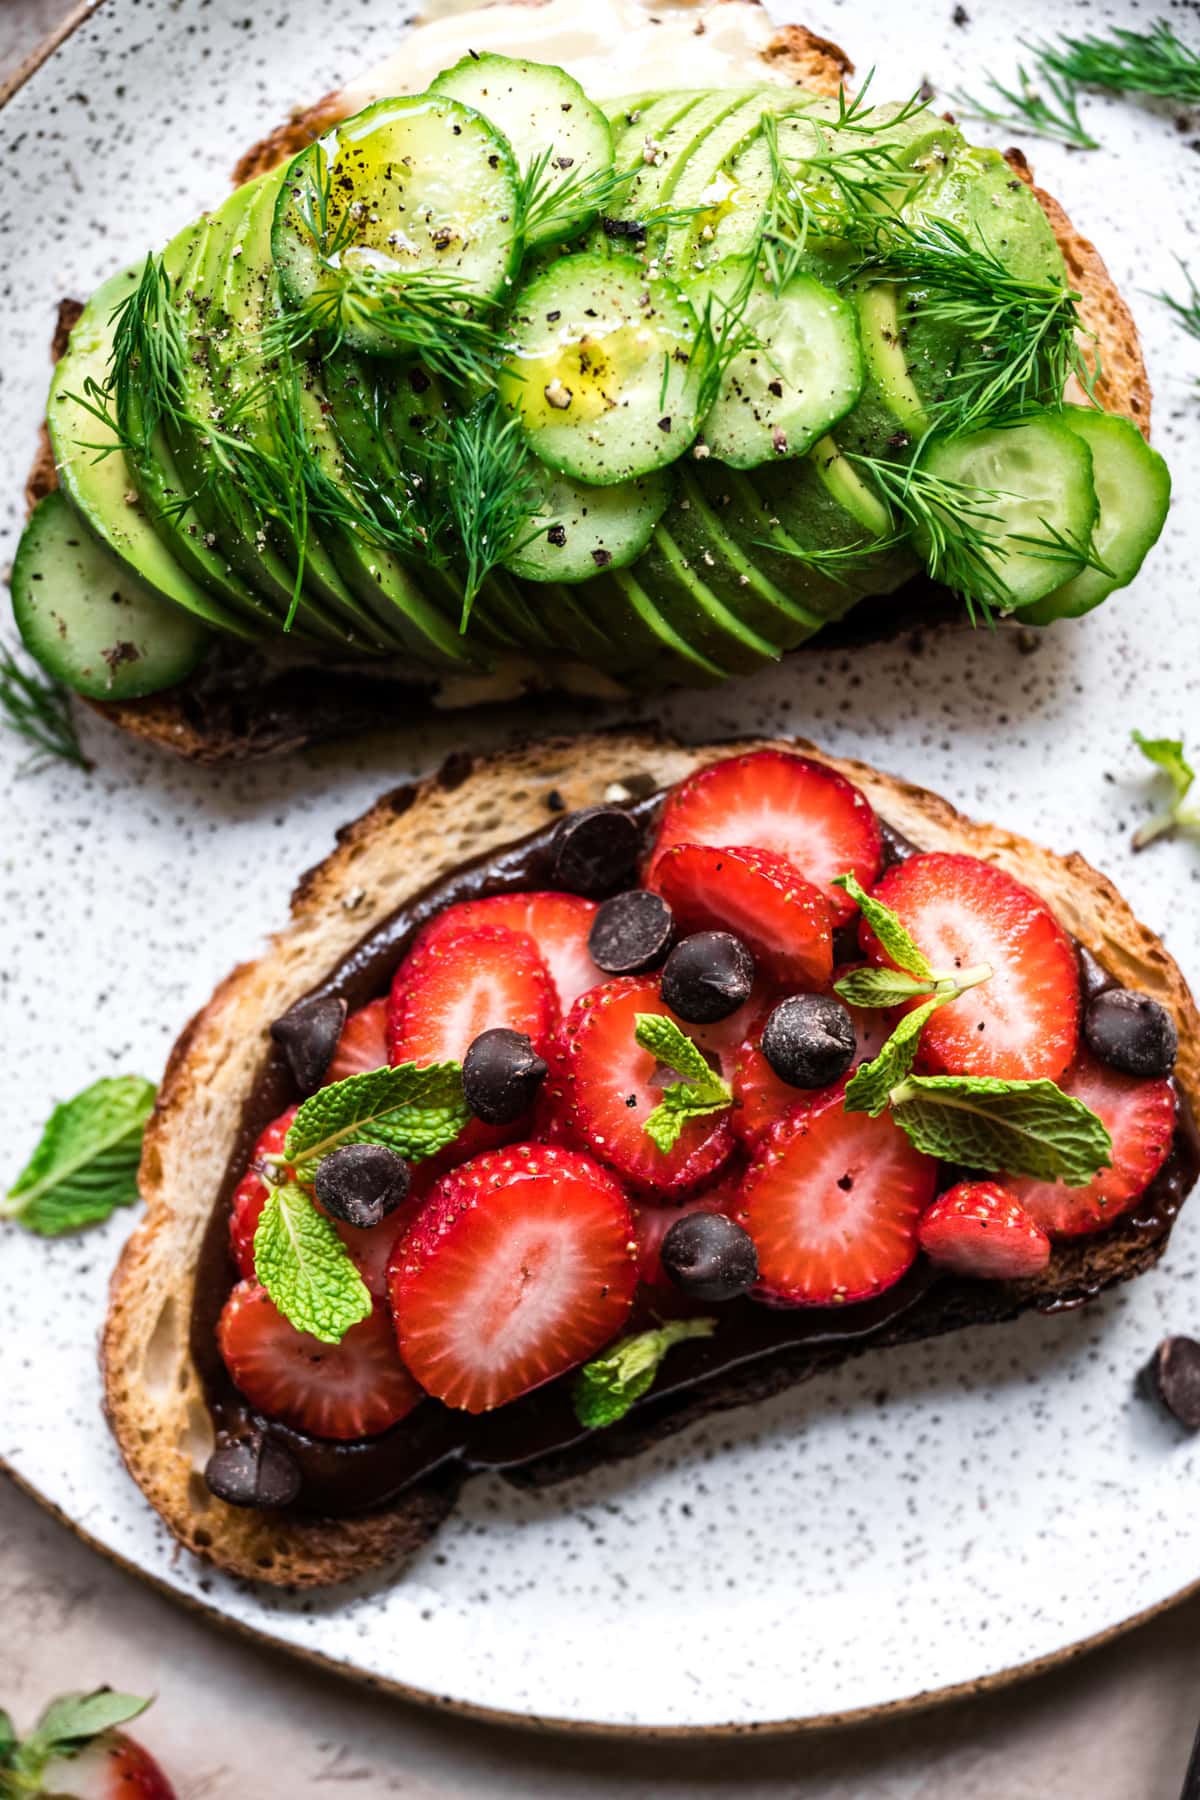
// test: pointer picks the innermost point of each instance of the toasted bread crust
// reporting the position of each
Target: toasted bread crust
(411, 837)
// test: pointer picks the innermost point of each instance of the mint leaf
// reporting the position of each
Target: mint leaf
(306, 1268)
(69, 1724)
(1018, 1127)
(607, 1387)
(880, 987)
(703, 1092)
(1167, 754)
(887, 928)
(870, 1087)
(414, 1111)
(87, 1160)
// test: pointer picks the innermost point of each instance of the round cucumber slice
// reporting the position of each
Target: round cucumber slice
(1033, 481)
(577, 531)
(1133, 487)
(89, 620)
(411, 199)
(554, 130)
(801, 369)
(602, 374)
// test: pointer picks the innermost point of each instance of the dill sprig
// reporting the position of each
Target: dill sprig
(823, 194)
(38, 709)
(426, 312)
(723, 336)
(1043, 104)
(1187, 311)
(855, 114)
(837, 562)
(549, 201)
(481, 466)
(1128, 62)
(149, 351)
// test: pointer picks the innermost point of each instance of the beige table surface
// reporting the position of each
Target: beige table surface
(233, 1722)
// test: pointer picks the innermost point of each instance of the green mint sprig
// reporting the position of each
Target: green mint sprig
(1020, 1127)
(86, 1162)
(607, 1387)
(416, 1111)
(887, 928)
(305, 1267)
(66, 1728)
(1167, 754)
(701, 1091)
(870, 1087)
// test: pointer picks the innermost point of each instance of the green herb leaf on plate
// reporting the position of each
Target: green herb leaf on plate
(1017, 1127)
(1167, 754)
(607, 1387)
(86, 1162)
(416, 1111)
(306, 1268)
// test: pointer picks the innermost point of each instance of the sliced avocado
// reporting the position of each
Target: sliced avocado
(664, 144)
(659, 652)
(678, 583)
(736, 572)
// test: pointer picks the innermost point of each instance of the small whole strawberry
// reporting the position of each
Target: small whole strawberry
(76, 1751)
(980, 1228)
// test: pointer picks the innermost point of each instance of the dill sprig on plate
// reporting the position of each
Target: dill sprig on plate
(1186, 311)
(483, 471)
(38, 709)
(1043, 104)
(837, 562)
(1128, 62)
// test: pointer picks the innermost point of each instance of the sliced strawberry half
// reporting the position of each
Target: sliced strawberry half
(612, 1086)
(557, 923)
(363, 1045)
(1140, 1119)
(1023, 1023)
(980, 1228)
(833, 1204)
(461, 983)
(795, 808)
(652, 1222)
(760, 897)
(354, 1389)
(520, 1267)
(760, 1099)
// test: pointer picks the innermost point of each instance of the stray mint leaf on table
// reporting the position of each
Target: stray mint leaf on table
(306, 1268)
(607, 1387)
(1167, 754)
(86, 1162)
(1015, 1127)
(414, 1111)
(703, 1091)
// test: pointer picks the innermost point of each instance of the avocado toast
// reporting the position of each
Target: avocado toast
(683, 560)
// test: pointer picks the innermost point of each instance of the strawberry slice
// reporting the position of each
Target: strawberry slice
(1022, 1024)
(460, 983)
(354, 1389)
(651, 1224)
(520, 1267)
(980, 1228)
(612, 1086)
(760, 1099)
(795, 808)
(1140, 1119)
(833, 1204)
(363, 1043)
(558, 924)
(760, 897)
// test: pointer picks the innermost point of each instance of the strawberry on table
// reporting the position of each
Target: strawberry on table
(981, 1228)
(1023, 1023)
(77, 1751)
(759, 897)
(521, 1266)
(611, 1086)
(558, 925)
(789, 805)
(1140, 1118)
(832, 1203)
(354, 1389)
(363, 1043)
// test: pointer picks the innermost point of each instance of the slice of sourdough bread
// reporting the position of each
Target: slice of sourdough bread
(410, 838)
(237, 710)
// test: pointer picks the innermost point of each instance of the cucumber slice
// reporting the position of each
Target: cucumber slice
(582, 530)
(417, 193)
(1040, 474)
(91, 621)
(547, 118)
(801, 371)
(601, 374)
(1133, 488)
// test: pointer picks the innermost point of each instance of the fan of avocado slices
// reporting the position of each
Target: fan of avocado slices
(660, 386)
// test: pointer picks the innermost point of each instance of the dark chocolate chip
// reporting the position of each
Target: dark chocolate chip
(308, 1034)
(707, 977)
(631, 933)
(502, 1073)
(709, 1257)
(1173, 1375)
(1132, 1033)
(362, 1183)
(596, 851)
(809, 1040)
(253, 1472)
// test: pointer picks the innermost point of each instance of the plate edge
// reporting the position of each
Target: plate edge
(83, 9)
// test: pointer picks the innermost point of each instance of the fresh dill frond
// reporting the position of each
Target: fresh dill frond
(483, 468)
(148, 357)
(822, 193)
(855, 114)
(550, 202)
(426, 313)
(1128, 62)
(1043, 104)
(837, 562)
(38, 709)
(1186, 311)
(723, 336)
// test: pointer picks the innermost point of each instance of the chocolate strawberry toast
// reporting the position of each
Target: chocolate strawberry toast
(607, 1083)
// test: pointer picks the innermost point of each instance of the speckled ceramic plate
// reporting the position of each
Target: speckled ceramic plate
(945, 1516)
